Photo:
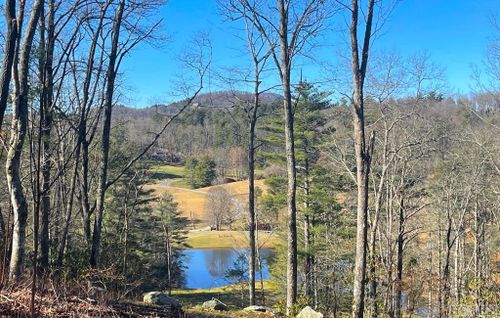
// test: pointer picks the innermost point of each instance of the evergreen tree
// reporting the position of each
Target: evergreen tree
(200, 172)
(205, 172)
(174, 236)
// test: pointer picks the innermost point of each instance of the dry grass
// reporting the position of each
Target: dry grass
(192, 202)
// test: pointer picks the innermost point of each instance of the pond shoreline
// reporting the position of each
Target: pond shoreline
(214, 268)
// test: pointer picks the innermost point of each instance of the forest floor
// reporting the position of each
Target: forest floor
(16, 304)
(232, 295)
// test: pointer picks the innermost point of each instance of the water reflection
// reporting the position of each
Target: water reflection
(207, 268)
(218, 261)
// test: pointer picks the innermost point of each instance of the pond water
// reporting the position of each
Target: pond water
(208, 268)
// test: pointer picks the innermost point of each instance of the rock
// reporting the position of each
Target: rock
(214, 304)
(257, 308)
(308, 312)
(160, 299)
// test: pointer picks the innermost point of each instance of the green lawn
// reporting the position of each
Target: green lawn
(181, 184)
(228, 239)
(167, 172)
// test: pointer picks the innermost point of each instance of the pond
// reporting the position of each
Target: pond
(207, 268)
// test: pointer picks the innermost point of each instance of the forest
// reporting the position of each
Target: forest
(261, 190)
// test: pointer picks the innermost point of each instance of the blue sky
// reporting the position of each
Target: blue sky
(455, 33)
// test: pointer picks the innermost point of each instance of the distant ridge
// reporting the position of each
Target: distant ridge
(213, 100)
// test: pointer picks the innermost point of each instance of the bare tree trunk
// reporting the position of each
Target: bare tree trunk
(69, 212)
(3, 230)
(440, 265)
(16, 143)
(477, 260)
(106, 131)
(290, 43)
(88, 94)
(309, 261)
(251, 204)
(168, 258)
(399, 258)
(47, 100)
(11, 39)
(291, 273)
(362, 152)
(456, 270)
(86, 210)
(445, 278)
(291, 201)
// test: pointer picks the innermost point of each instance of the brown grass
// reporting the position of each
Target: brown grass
(192, 202)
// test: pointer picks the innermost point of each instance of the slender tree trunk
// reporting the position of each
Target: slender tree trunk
(69, 212)
(291, 201)
(445, 278)
(82, 141)
(125, 240)
(362, 153)
(456, 270)
(388, 304)
(363, 166)
(11, 40)
(47, 98)
(16, 192)
(440, 265)
(430, 284)
(399, 265)
(251, 182)
(285, 58)
(372, 291)
(86, 210)
(16, 143)
(308, 264)
(106, 131)
(251, 207)
(477, 261)
(3, 230)
(168, 256)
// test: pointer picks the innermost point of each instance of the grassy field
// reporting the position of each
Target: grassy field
(167, 172)
(180, 184)
(228, 239)
(167, 178)
(192, 202)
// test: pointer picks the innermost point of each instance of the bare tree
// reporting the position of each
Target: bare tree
(363, 149)
(11, 40)
(219, 207)
(259, 55)
(287, 27)
(18, 133)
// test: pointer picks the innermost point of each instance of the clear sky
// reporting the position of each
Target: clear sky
(455, 33)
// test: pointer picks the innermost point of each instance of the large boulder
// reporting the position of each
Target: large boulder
(214, 304)
(308, 312)
(160, 299)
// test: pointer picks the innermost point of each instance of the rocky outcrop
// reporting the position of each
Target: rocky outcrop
(308, 312)
(160, 299)
(215, 304)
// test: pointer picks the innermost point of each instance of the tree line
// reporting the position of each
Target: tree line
(385, 189)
